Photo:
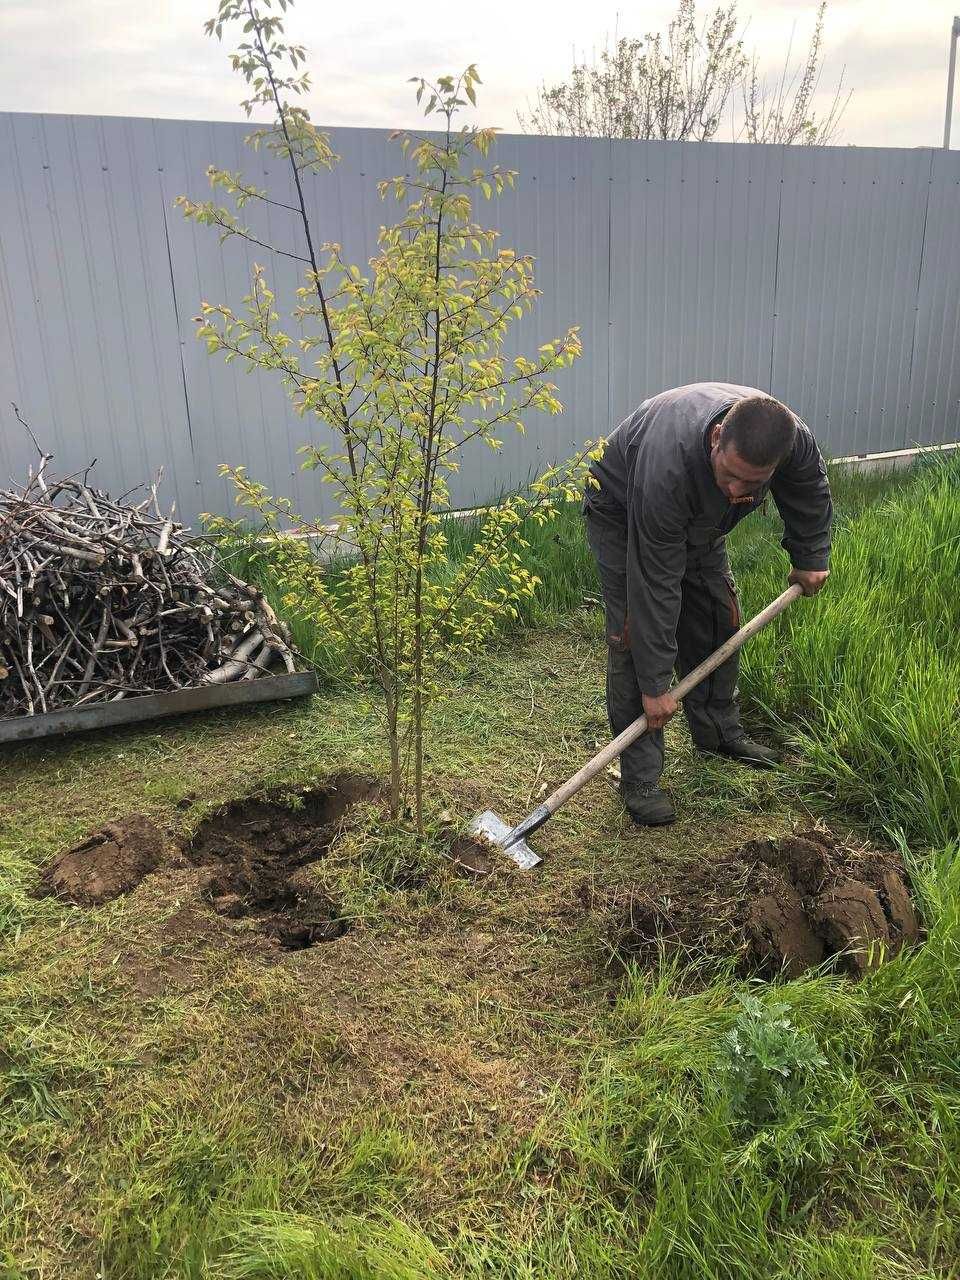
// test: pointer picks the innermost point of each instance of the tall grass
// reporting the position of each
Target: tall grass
(864, 681)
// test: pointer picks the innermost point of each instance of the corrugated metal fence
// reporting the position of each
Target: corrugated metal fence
(829, 276)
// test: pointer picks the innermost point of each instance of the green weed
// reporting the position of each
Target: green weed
(767, 1059)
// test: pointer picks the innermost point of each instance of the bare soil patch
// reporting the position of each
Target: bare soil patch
(106, 863)
(779, 906)
(255, 855)
(472, 857)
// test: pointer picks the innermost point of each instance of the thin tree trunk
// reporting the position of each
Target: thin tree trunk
(426, 497)
(418, 718)
(394, 739)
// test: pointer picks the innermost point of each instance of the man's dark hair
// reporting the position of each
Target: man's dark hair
(761, 429)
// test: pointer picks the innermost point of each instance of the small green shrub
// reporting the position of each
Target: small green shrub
(767, 1059)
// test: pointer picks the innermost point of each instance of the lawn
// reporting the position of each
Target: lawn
(471, 1081)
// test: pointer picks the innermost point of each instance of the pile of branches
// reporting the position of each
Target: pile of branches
(103, 599)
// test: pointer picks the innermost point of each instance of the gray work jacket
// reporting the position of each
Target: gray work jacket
(655, 474)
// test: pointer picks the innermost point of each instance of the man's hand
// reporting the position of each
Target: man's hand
(659, 710)
(810, 579)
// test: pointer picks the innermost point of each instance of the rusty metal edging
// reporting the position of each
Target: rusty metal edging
(108, 715)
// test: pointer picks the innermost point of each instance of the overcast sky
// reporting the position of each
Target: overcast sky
(120, 57)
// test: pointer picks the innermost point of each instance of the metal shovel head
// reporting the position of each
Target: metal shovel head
(494, 830)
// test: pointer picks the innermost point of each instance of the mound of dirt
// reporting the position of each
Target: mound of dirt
(780, 906)
(107, 863)
(471, 856)
(255, 856)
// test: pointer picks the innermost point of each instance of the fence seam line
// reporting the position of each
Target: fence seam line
(916, 299)
(176, 313)
(776, 278)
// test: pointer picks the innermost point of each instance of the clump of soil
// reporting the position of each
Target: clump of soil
(780, 906)
(256, 856)
(471, 856)
(106, 864)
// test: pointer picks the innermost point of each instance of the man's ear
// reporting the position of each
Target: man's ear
(715, 433)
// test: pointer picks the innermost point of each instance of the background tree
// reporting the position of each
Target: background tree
(679, 85)
(400, 366)
(784, 112)
(663, 86)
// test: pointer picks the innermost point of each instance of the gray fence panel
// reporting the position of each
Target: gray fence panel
(829, 276)
(694, 233)
(851, 228)
(88, 332)
(235, 417)
(559, 212)
(933, 415)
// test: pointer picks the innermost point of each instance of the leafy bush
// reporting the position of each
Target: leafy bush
(767, 1059)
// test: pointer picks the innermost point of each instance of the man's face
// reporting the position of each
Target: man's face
(737, 479)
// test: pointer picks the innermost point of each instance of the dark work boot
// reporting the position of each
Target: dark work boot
(746, 751)
(647, 805)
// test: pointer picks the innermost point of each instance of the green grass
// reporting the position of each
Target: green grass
(465, 1087)
(864, 682)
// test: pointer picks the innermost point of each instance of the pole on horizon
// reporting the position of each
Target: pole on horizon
(951, 75)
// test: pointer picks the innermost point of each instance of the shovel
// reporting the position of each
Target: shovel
(512, 840)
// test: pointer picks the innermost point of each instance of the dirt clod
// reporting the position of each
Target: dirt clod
(779, 906)
(780, 934)
(471, 856)
(898, 907)
(851, 917)
(107, 863)
(802, 862)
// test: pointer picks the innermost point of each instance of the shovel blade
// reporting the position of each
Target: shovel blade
(494, 830)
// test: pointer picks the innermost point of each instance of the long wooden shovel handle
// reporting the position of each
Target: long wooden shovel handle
(679, 691)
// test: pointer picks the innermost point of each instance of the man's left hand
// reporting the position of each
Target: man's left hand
(811, 580)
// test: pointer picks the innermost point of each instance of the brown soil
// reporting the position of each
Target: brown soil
(256, 856)
(471, 856)
(777, 905)
(106, 864)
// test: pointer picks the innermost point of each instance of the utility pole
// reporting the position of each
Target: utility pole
(951, 74)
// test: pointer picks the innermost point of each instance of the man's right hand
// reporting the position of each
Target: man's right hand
(659, 710)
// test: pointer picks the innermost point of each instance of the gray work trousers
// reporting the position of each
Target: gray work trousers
(709, 614)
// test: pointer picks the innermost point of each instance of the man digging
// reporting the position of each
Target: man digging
(674, 479)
